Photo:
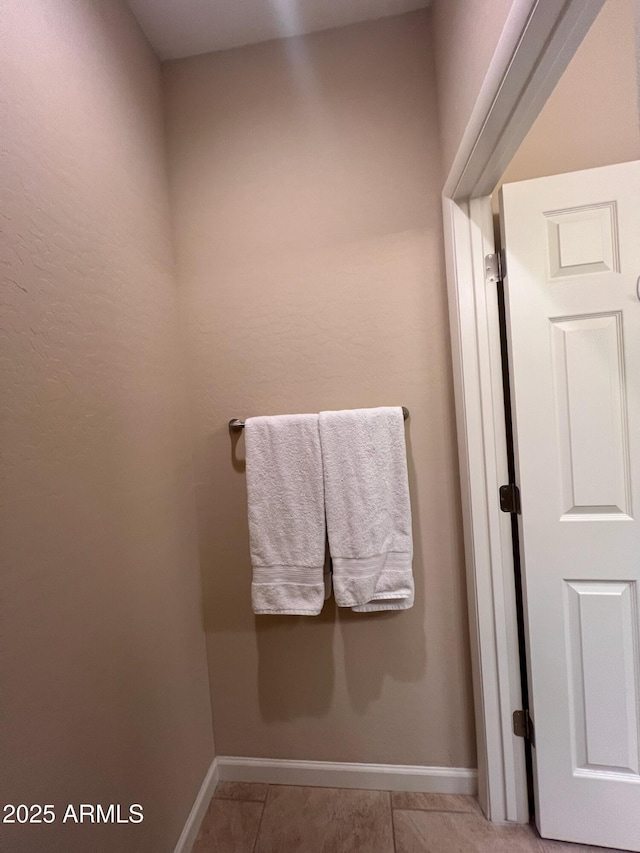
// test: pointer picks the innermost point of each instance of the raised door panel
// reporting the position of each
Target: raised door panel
(602, 641)
(591, 413)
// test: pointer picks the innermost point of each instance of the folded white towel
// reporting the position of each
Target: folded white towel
(285, 498)
(367, 507)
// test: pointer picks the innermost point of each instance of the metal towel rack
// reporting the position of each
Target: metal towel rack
(235, 425)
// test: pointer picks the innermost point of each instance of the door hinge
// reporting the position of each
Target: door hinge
(523, 726)
(510, 498)
(494, 267)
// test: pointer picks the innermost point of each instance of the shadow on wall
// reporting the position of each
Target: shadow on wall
(367, 665)
(299, 658)
(296, 668)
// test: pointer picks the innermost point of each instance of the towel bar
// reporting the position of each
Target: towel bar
(235, 424)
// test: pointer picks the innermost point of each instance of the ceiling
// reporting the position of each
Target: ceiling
(178, 28)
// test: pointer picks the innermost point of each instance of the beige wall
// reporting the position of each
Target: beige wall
(591, 118)
(104, 689)
(305, 188)
(466, 34)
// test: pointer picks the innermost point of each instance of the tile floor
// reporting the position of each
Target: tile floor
(256, 818)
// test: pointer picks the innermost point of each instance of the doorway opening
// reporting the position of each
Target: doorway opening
(529, 61)
(560, 140)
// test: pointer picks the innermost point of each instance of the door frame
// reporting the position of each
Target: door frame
(537, 42)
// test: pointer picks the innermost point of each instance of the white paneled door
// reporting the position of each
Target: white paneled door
(573, 316)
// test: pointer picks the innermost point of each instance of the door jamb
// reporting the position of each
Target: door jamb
(536, 44)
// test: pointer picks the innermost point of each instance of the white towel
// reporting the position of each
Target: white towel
(367, 507)
(285, 498)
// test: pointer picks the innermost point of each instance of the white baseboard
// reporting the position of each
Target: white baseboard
(323, 774)
(198, 810)
(329, 774)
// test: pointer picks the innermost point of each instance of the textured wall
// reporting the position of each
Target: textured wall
(466, 34)
(305, 188)
(636, 22)
(104, 688)
(591, 118)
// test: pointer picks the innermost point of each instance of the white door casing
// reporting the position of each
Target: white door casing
(537, 42)
(573, 314)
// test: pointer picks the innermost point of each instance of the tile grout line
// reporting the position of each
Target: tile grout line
(236, 800)
(393, 826)
(429, 811)
(264, 805)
